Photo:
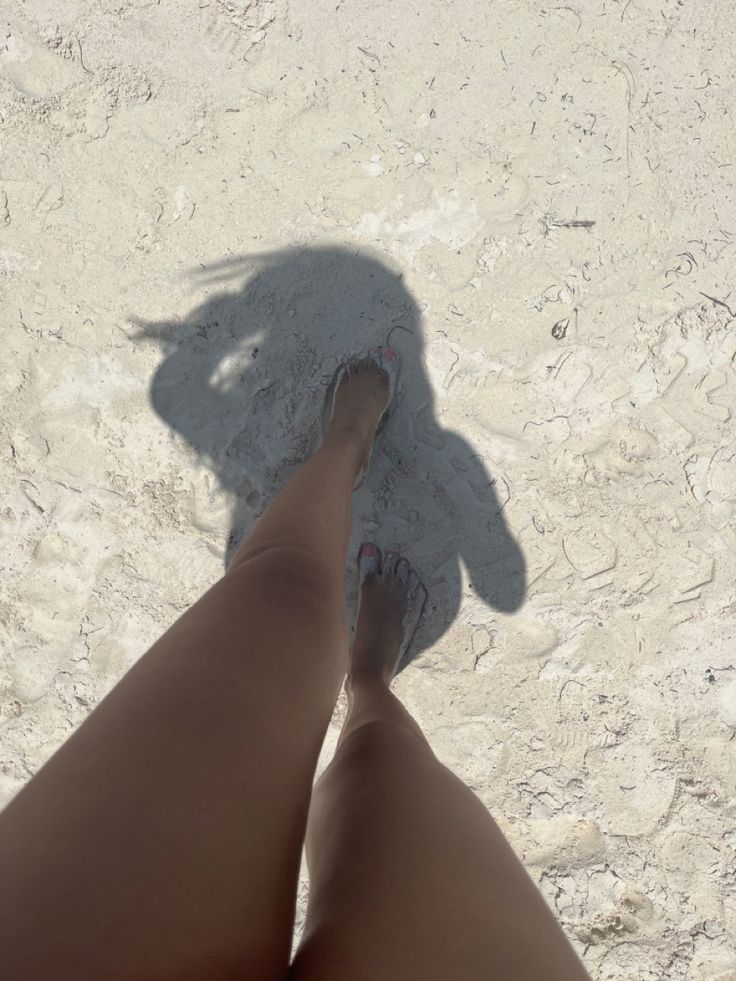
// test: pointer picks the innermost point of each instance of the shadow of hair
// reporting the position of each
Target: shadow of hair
(242, 380)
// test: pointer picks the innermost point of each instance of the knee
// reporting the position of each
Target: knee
(281, 566)
(382, 742)
(287, 575)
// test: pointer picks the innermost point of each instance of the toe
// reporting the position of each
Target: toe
(416, 594)
(376, 356)
(412, 581)
(389, 565)
(419, 599)
(402, 570)
(369, 560)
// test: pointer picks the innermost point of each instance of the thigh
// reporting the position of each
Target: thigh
(163, 840)
(412, 879)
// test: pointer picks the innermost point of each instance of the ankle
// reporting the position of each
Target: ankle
(369, 668)
(349, 432)
(343, 442)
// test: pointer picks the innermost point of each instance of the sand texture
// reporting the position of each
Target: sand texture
(205, 205)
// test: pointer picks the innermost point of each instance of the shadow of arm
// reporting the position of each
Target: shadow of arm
(492, 557)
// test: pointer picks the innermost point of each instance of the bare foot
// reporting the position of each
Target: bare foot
(391, 602)
(360, 400)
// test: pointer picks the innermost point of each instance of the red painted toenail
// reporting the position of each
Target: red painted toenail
(368, 551)
(389, 354)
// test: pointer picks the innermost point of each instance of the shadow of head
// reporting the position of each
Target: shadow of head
(243, 378)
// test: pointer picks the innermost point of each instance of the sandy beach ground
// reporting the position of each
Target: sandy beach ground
(205, 205)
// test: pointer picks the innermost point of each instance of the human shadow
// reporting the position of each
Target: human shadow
(243, 378)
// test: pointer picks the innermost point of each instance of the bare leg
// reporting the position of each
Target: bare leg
(163, 840)
(410, 876)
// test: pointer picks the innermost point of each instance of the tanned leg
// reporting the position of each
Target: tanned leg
(162, 841)
(410, 877)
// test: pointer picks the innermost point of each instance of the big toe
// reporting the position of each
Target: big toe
(369, 561)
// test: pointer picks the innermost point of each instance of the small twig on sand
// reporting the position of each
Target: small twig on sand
(572, 223)
(548, 221)
(81, 59)
(720, 303)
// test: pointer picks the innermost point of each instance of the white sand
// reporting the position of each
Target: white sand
(151, 150)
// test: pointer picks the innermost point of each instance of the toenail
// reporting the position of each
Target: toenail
(368, 551)
(389, 354)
